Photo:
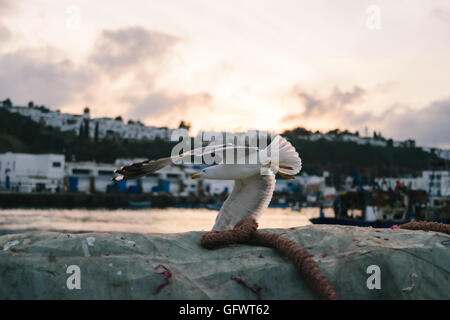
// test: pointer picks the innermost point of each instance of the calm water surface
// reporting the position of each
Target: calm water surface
(168, 220)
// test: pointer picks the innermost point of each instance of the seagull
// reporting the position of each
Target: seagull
(253, 172)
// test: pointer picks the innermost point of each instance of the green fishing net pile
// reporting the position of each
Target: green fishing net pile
(412, 265)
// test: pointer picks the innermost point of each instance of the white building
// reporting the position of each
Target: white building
(31, 172)
(173, 179)
(404, 144)
(88, 176)
(435, 183)
(106, 126)
(364, 140)
(347, 138)
(318, 136)
(353, 138)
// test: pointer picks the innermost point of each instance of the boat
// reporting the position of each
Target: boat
(380, 209)
(383, 209)
(279, 205)
(139, 204)
(184, 205)
(214, 206)
(357, 222)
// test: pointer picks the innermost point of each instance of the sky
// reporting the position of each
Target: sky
(236, 65)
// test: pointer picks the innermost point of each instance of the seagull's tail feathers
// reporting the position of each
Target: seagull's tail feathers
(141, 169)
(283, 155)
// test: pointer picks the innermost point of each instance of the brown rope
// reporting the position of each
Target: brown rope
(246, 232)
(426, 226)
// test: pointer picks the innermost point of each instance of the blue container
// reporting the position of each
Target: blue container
(134, 189)
(122, 185)
(166, 186)
(73, 184)
(156, 189)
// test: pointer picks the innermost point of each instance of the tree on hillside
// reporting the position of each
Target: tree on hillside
(334, 132)
(31, 104)
(86, 128)
(7, 102)
(184, 125)
(300, 131)
(96, 132)
(44, 109)
(390, 143)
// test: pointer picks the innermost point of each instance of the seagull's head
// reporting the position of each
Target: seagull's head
(213, 172)
(202, 174)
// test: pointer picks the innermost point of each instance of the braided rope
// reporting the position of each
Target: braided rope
(427, 226)
(245, 232)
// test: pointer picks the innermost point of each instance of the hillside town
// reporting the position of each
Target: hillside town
(100, 128)
(95, 127)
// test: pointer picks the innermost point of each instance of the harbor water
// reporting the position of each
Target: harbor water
(170, 220)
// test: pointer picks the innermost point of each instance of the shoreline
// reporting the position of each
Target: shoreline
(72, 200)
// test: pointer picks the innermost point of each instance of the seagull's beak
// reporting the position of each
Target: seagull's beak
(195, 176)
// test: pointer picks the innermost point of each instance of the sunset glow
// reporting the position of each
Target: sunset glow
(233, 65)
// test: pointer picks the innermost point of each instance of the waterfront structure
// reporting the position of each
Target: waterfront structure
(435, 183)
(174, 180)
(22, 172)
(88, 176)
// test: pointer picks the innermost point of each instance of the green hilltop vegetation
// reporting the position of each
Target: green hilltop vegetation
(342, 158)
(21, 134)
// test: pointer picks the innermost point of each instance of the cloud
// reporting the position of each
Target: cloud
(428, 126)
(42, 76)
(6, 7)
(442, 14)
(334, 104)
(118, 50)
(143, 55)
(172, 107)
(125, 64)
(5, 34)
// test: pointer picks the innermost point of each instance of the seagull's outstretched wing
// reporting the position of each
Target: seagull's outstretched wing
(250, 197)
(141, 169)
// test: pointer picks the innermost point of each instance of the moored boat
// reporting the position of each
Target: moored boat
(139, 204)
